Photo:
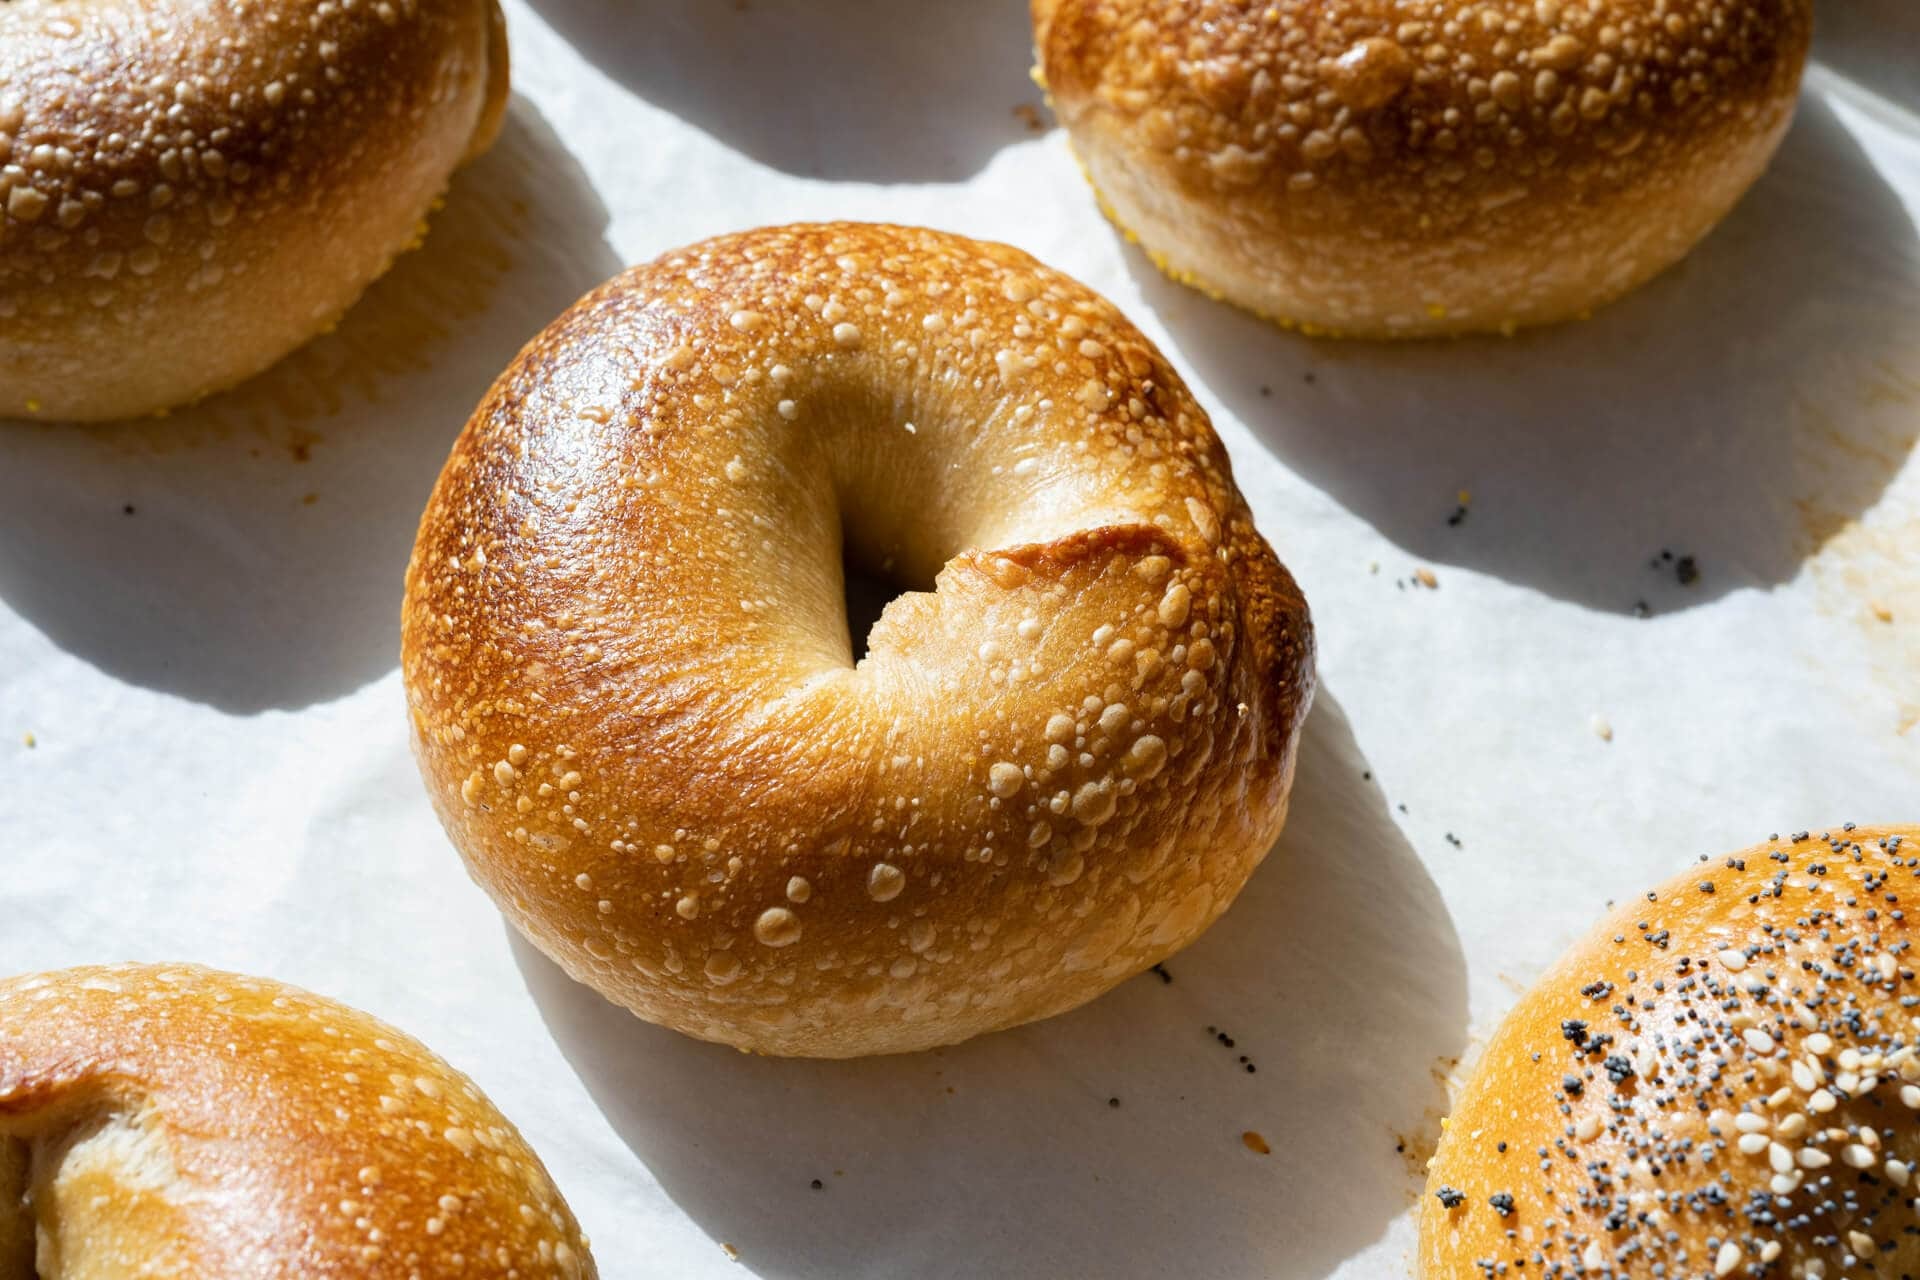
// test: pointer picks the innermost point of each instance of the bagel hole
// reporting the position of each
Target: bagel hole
(86, 1181)
(868, 590)
(16, 1212)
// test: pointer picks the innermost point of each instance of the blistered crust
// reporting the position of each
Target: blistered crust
(188, 191)
(1721, 1080)
(173, 1121)
(633, 700)
(1391, 169)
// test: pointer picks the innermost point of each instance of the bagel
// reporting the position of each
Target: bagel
(632, 685)
(179, 1122)
(1422, 167)
(1721, 1080)
(190, 189)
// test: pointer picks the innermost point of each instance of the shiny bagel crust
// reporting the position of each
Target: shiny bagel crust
(175, 1122)
(634, 699)
(190, 189)
(1419, 167)
(1721, 1080)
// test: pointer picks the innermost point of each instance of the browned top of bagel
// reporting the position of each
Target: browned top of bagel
(173, 1121)
(1720, 1080)
(1426, 114)
(1575, 145)
(627, 656)
(188, 189)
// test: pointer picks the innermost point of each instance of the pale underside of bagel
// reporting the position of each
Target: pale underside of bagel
(1380, 170)
(192, 190)
(635, 701)
(181, 1124)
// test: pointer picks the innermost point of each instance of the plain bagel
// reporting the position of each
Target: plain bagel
(1386, 169)
(190, 189)
(632, 685)
(175, 1122)
(1721, 1080)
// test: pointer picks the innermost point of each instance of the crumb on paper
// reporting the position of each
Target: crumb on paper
(28, 740)
(1685, 568)
(1226, 1041)
(1427, 579)
(1255, 1143)
(300, 444)
(1602, 728)
(733, 1254)
(1416, 1149)
(1880, 610)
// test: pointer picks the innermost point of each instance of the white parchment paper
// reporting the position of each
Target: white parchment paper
(203, 752)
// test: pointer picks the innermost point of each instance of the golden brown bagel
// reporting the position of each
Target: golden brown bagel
(184, 1124)
(189, 189)
(627, 655)
(1721, 1080)
(1387, 168)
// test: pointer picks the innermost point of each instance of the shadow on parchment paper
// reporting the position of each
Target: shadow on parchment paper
(1874, 43)
(248, 552)
(1338, 972)
(849, 90)
(1739, 409)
